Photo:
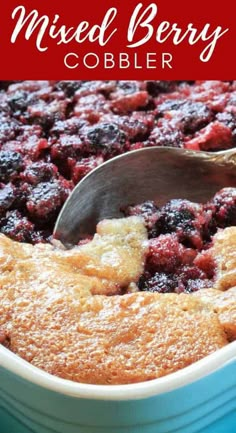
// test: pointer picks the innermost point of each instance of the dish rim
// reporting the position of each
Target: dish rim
(196, 371)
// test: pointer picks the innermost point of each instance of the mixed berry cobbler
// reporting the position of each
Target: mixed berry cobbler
(53, 133)
(150, 293)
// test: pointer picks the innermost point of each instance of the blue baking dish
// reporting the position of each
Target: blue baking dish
(200, 398)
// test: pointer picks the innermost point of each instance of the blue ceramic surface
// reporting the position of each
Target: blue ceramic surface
(207, 405)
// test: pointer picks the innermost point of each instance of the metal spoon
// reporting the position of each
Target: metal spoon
(155, 173)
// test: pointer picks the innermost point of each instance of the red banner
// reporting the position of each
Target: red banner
(115, 39)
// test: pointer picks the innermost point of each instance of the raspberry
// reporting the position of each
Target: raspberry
(215, 136)
(191, 278)
(84, 166)
(129, 96)
(91, 108)
(165, 254)
(205, 262)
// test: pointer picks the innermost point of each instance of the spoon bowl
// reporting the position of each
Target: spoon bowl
(155, 173)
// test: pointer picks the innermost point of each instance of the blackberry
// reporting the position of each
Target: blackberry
(17, 227)
(160, 282)
(126, 87)
(169, 105)
(70, 126)
(45, 113)
(9, 129)
(229, 120)
(21, 193)
(194, 116)
(45, 200)
(10, 165)
(18, 101)
(188, 220)
(67, 146)
(68, 87)
(147, 210)
(7, 197)
(223, 206)
(154, 88)
(137, 126)
(188, 116)
(191, 278)
(39, 172)
(167, 134)
(107, 137)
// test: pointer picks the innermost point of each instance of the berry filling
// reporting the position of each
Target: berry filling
(53, 133)
(180, 235)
